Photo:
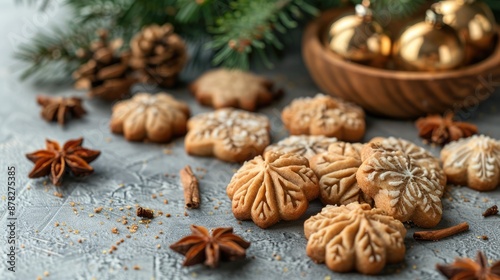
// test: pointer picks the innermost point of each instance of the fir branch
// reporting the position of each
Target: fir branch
(251, 26)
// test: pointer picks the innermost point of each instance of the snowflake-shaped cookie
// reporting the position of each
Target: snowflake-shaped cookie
(153, 117)
(324, 115)
(355, 237)
(405, 188)
(304, 145)
(336, 170)
(224, 88)
(474, 162)
(272, 188)
(228, 134)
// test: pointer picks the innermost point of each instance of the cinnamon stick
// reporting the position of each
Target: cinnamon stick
(191, 187)
(435, 235)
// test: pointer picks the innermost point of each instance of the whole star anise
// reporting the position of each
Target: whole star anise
(60, 108)
(467, 269)
(55, 161)
(201, 247)
(441, 130)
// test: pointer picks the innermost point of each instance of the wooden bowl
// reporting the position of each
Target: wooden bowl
(391, 93)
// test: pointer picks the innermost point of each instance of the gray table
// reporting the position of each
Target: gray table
(130, 173)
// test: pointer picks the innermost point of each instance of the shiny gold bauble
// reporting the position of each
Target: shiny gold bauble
(429, 46)
(359, 38)
(474, 21)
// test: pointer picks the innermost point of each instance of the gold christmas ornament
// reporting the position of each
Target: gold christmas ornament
(474, 22)
(429, 45)
(359, 38)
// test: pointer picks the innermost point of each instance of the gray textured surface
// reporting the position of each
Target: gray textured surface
(129, 173)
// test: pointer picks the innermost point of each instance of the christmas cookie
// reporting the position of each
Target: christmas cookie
(152, 117)
(272, 188)
(336, 170)
(223, 88)
(404, 187)
(355, 238)
(324, 115)
(228, 134)
(304, 145)
(379, 144)
(473, 162)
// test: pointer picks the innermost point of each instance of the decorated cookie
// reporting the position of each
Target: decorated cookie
(355, 238)
(152, 117)
(378, 144)
(473, 162)
(336, 170)
(304, 145)
(228, 134)
(324, 115)
(406, 188)
(223, 88)
(272, 188)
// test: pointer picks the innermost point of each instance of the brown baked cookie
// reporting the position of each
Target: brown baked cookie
(378, 144)
(228, 134)
(336, 170)
(325, 115)
(473, 162)
(355, 238)
(223, 88)
(406, 188)
(153, 117)
(304, 145)
(272, 188)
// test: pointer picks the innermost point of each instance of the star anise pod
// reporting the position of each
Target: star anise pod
(55, 161)
(60, 108)
(442, 130)
(201, 247)
(467, 269)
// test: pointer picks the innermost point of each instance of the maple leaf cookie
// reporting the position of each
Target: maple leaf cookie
(304, 145)
(336, 170)
(223, 88)
(406, 188)
(473, 162)
(228, 134)
(153, 117)
(272, 188)
(325, 115)
(355, 237)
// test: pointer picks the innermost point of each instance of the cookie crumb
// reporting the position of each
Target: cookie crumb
(114, 230)
(137, 267)
(98, 209)
(58, 194)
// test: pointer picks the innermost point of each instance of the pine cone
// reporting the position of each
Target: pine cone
(107, 74)
(158, 54)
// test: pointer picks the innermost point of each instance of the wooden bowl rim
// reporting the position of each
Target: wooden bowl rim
(311, 36)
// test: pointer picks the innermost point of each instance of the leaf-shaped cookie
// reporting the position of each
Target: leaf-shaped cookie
(228, 134)
(154, 117)
(272, 188)
(354, 237)
(405, 188)
(304, 145)
(325, 115)
(336, 170)
(474, 162)
(378, 144)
